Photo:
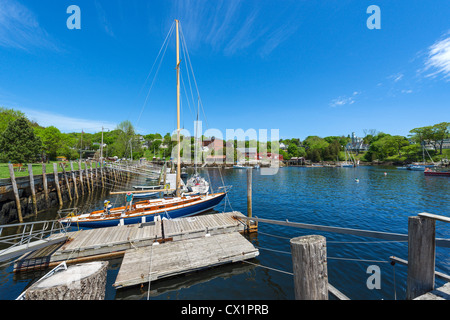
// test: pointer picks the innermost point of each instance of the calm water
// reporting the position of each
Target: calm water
(323, 196)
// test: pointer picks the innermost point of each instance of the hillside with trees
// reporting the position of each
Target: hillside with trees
(22, 141)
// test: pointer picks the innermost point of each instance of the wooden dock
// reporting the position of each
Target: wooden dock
(168, 259)
(95, 244)
(442, 293)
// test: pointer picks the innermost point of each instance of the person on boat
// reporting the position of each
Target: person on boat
(106, 206)
(129, 199)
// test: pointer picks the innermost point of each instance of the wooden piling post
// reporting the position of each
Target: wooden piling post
(44, 180)
(67, 180)
(74, 180)
(16, 191)
(101, 174)
(58, 188)
(80, 168)
(92, 176)
(87, 177)
(421, 256)
(86, 281)
(309, 261)
(33, 190)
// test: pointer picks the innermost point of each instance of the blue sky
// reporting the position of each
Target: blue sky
(303, 67)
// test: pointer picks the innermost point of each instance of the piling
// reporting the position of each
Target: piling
(67, 180)
(74, 179)
(33, 190)
(249, 192)
(44, 181)
(79, 282)
(309, 261)
(58, 188)
(80, 168)
(421, 256)
(16, 192)
(87, 177)
(92, 176)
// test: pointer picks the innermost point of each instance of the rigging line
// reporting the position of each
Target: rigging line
(167, 36)
(340, 242)
(260, 265)
(332, 258)
(193, 75)
(187, 99)
(156, 74)
(359, 260)
(184, 48)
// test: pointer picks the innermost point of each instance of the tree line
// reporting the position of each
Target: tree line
(22, 141)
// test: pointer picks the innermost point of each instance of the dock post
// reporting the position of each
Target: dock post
(16, 192)
(84, 281)
(421, 256)
(80, 172)
(87, 176)
(58, 189)
(67, 180)
(101, 175)
(92, 176)
(33, 190)
(249, 195)
(44, 180)
(74, 180)
(309, 261)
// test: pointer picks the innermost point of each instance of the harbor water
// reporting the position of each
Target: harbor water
(374, 198)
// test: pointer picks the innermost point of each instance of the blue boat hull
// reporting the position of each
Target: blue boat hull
(170, 214)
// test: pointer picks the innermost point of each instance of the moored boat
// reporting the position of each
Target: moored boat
(429, 172)
(146, 211)
(181, 205)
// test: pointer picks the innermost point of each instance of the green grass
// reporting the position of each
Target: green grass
(37, 169)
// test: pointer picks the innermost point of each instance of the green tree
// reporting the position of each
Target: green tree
(19, 143)
(52, 140)
(7, 116)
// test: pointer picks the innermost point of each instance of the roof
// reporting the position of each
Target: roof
(247, 150)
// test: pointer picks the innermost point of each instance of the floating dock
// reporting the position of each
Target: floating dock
(169, 247)
(178, 257)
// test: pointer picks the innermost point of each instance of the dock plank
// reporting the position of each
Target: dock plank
(92, 242)
(179, 257)
(442, 293)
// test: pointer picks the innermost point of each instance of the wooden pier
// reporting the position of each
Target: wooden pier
(178, 257)
(199, 239)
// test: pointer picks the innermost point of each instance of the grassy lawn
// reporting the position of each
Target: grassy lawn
(37, 169)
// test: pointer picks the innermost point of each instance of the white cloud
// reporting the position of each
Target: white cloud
(67, 124)
(407, 91)
(438, 58)
(20, 29)
(397, 77)
(343, 100)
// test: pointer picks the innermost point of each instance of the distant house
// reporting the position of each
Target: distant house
(283, 146)
(214, 144)
(270, 155)
(250, 153)
(357, 144)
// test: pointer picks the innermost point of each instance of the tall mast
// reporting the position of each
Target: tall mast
(178, 180)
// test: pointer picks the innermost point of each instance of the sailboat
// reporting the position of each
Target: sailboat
(346, 164)
(197, 184)
(180, 205)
